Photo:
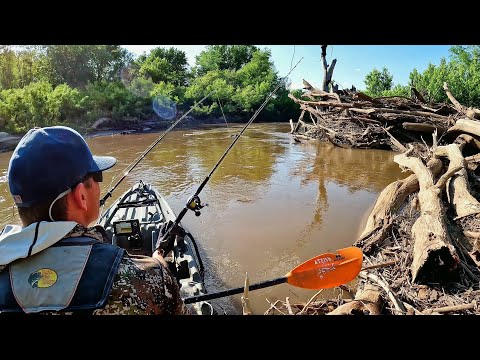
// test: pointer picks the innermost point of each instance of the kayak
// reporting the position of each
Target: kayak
(134, 222)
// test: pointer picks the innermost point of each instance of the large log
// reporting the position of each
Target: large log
(465, 139)
(422, 127)
(467, 126)
(474, 238)
(473, 113)
(372, 240)
(434, 256)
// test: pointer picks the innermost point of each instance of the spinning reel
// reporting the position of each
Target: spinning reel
(195, 204)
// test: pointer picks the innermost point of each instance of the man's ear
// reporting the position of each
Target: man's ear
(80, 195)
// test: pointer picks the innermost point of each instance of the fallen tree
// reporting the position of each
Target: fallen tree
(421, 241)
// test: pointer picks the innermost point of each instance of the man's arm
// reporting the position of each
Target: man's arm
(144, 285)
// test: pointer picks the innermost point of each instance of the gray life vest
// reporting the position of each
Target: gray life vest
(73, 275)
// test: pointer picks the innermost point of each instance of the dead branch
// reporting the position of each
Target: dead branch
(458, 191)
(447, 309)
(395, 142)
(310, 301)
(393, 298)
(454, 101)
(365, 97)
(418, 95)
(379, 265)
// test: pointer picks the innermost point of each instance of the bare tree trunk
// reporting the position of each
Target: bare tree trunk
(380, 221)
(393, 197)
(433, 252)
(328, 70)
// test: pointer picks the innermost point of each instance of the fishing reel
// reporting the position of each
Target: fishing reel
(195, 204)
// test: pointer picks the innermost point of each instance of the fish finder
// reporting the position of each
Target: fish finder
(131, 230)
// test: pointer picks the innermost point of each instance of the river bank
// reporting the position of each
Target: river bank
(107, 127)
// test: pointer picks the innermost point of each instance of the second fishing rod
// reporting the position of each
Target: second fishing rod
(132, 166)
(194, 202)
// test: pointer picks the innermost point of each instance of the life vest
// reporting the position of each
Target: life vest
(73, 275)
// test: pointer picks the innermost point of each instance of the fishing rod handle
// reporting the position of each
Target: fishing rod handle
(260, 285)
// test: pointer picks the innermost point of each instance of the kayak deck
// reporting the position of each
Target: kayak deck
(134, 222)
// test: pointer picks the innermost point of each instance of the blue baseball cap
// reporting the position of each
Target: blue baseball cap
(48, 161)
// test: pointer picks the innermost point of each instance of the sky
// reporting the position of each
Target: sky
(354, 62)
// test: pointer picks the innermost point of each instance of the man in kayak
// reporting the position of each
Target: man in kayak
(56, 263)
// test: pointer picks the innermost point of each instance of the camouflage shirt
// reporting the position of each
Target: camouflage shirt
(142, 285)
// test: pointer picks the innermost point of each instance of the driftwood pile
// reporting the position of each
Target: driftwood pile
(352, 119)
(421, 242)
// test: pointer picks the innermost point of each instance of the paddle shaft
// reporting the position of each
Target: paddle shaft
(234, 291)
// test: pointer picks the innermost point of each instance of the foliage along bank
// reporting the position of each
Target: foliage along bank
(75, 85)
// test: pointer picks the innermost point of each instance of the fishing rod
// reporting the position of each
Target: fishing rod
(194, 202)
(109, 193)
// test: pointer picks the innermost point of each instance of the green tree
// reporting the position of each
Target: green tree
(7, 64)
(168, 90)
(78, 65)
(167, 65)
(38, 104)
(397, 90)
(223, 57)
(240, 79)
(377, 82)
(19, 66)
(461, 72)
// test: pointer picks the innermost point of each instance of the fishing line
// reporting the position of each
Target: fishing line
(132, 166)
(219, 103)
(193, 202)
(293, 56)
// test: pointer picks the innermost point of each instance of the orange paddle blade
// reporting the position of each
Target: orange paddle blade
(327, 270)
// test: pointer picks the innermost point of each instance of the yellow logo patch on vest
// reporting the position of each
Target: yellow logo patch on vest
(42, 278)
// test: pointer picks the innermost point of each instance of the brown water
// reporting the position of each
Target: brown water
(273, 203)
